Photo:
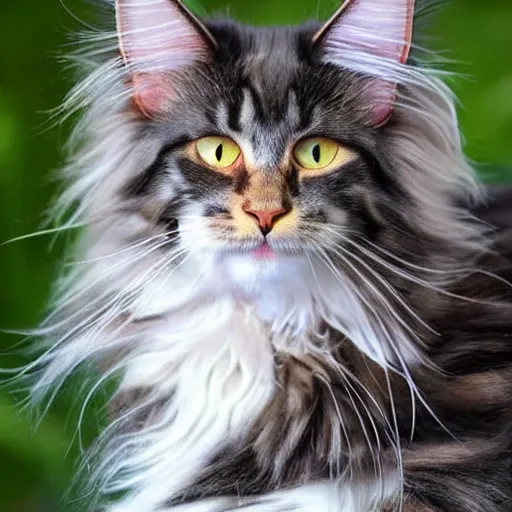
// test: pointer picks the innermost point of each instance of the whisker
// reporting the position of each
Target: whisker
(431, 286)
(38, 392)
(384, 301)
(457, 274)
(395, 294)
(376, 453)
(398, 452)
(73, 295)
(113, 306)
(123, 250)
(324, 257)
(341, 421)
(45, 232)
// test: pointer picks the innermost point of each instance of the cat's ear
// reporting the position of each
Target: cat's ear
(158, 39)
(371, 37)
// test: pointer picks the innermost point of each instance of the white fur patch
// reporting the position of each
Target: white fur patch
(220, 373)
(317, 497)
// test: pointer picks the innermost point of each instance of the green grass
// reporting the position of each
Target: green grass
(36, 468)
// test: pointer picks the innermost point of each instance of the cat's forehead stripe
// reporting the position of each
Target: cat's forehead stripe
(264, 144)
(247, 111)
(293, 109)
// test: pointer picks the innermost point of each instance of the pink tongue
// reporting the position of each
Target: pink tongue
(263, 252)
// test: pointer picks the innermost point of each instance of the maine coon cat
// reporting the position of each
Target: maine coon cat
(280, 266)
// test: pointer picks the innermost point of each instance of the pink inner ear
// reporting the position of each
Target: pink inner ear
(151, 92)
(372, 37)
(380, 97)
(156, 38)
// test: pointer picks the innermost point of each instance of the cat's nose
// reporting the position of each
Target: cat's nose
(266, 218)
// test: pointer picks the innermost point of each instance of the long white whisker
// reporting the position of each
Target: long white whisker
(73, 295)
(377, 293)
(42, 385)
(384, 283)
(124, 249)
(457, 274)
(397, 439)
(342, 424)
(44, 232)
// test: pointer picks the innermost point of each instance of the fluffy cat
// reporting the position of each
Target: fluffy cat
(281, 268)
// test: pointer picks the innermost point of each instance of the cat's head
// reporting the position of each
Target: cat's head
(269, 151)
(273, 153)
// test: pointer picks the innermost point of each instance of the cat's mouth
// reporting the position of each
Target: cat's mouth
(264, 251)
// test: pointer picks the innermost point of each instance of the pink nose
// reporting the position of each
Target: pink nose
(266, 218)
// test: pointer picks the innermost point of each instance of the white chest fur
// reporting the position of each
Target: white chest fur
(319, 497)
(221, 377)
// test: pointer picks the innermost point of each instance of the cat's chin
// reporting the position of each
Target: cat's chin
(257, 270)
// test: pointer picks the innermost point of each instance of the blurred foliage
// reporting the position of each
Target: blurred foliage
(36, 467)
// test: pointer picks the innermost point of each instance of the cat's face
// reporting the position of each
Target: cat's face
(267, 157)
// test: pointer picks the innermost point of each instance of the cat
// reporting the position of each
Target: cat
(281, 269)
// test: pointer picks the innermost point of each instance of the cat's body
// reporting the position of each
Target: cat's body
(288, 338)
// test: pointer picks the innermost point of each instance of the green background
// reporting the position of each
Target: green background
(36, 467)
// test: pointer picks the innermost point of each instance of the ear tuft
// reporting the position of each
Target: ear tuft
(371, 37)
(157, 38)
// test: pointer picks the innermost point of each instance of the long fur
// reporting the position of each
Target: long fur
(346, 380)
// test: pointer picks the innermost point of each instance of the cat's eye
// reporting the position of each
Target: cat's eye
(320, 153)
(220, 152)
(316, 153)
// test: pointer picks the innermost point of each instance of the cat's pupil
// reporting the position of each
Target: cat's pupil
(218, 153)
(316, 153)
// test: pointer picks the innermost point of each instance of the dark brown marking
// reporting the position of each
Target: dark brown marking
(242, 181)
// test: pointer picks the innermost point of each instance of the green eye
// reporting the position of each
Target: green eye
(316, 153)
(218, 152)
